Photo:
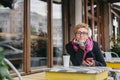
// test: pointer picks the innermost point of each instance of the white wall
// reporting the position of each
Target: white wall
(78, 16)
(78, 11)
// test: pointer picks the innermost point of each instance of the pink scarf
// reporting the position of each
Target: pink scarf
(88, 46)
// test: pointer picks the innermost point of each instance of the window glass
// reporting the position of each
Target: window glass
(38, 24)
(57, 32)
(11, 31)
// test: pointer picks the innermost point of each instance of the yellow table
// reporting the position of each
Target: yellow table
(79, 73)
(113, 64)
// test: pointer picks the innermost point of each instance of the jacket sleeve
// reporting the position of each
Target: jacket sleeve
(98, 55)
(75, 57)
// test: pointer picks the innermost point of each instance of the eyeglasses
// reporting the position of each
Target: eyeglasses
(81, 33)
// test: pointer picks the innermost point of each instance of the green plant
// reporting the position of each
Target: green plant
(4, 74)
(116, 47)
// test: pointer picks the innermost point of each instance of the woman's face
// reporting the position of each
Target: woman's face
(81, 34)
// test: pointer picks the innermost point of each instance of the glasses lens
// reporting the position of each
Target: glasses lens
(81, 33)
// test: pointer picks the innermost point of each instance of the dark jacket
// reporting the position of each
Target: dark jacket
(76, 57)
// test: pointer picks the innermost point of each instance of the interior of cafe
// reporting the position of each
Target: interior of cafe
(33, 35)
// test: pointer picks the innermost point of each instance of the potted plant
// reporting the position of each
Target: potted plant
(4, 73)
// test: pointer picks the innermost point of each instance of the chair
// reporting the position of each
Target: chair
(108, 56)
(14, 69)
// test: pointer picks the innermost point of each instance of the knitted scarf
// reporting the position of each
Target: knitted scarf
(88, 46)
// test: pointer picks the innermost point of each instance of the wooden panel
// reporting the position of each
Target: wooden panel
(92, 12)
(86, 11)
(26, 36)
(49, 27)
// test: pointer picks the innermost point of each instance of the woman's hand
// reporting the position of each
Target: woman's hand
(84, 63)
(89, 62)
(79, 40)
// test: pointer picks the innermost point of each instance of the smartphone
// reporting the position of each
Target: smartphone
(89, 59)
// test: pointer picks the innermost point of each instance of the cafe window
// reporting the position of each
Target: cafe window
(38, 25)
(11, 32)
(23, 33)
(57, 32)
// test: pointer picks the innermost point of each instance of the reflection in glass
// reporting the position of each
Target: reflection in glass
(57, 33)
(11, 32)
(38, 13)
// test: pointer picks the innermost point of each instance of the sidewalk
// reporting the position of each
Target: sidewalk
(36, 76)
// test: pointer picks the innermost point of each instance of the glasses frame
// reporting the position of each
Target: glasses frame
(81, 33)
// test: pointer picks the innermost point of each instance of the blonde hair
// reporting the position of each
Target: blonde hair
(82, 25)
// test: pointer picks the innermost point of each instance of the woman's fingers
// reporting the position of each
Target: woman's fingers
(89, 63)
(85, 63)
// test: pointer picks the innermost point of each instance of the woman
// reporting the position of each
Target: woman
(83, 50)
